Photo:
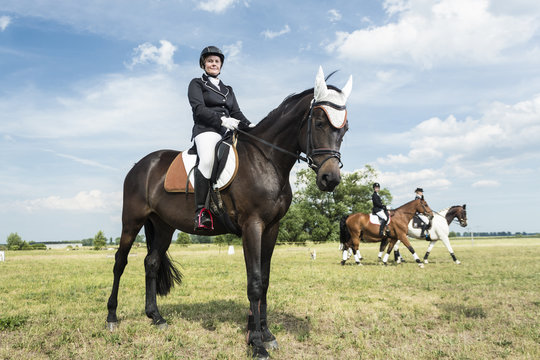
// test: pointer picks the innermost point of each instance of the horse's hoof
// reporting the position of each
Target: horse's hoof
(426, 261)
(457, 262)
(385, 263)
(271, 345)
(161, 324)
(359, 263)
(421, 266)
(112, 326)
(259, 353)
(342, 262)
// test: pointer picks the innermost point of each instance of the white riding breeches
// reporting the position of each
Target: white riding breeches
(206, 147)
(382, 215)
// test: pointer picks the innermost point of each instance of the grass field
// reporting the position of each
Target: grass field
(53, 305)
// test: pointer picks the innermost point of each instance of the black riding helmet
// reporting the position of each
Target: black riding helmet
(376, 185)
(211, 50)
(419, 189)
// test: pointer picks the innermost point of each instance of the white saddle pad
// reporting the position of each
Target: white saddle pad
(227, 175)
(374, 219)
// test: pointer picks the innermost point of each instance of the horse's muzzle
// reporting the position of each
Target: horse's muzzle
(328, 176)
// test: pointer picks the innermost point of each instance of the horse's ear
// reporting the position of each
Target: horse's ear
(320, 90)
(464, 206)
(347, 88)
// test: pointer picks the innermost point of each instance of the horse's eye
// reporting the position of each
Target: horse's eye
(319, 124)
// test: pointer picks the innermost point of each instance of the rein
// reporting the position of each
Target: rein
(310, 151)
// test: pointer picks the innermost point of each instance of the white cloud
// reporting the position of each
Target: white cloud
(109, 112)
(486, 183)
(93, 200)
(4, 22)
(334, 15)
(272, 34)
(216, 6)
(508, 128)
(232, 51)
(432, 33)
(149, 54)
(88, 162)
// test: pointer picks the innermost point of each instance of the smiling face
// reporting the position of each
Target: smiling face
(212, 65)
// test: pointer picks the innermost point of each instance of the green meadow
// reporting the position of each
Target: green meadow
(53, 304)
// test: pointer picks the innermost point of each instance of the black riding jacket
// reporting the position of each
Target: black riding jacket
(209, 103)
(377, 203)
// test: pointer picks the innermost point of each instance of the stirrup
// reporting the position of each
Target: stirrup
(204, 220)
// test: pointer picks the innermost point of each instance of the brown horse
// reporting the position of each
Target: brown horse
(357, 227)
(312, 122)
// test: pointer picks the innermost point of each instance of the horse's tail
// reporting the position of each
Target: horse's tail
(344, 235)
(167, 273)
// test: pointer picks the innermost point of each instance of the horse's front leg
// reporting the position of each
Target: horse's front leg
(268, 243)
(252, 235)
(428, 251)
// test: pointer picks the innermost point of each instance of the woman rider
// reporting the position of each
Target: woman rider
(215, 111)
(424, 221)
(379, 208)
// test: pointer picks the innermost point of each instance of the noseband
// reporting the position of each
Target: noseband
(310, 150)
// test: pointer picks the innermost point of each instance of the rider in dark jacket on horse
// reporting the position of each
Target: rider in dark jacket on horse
(215, 111)
(424, 221)
(379, 208)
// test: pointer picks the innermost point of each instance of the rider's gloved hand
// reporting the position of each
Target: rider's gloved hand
(230, 123)
(244, 125)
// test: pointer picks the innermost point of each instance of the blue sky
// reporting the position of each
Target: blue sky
(446, 96)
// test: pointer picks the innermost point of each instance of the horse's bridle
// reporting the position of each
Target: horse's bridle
(425, 211)
(310, 150)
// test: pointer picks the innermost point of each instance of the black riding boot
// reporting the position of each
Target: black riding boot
(203, 220)
(381, 229)
(424, 231)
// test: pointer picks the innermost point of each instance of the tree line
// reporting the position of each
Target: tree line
(313, 215)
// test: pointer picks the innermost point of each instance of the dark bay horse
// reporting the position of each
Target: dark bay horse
(312, 122)
(357, 227)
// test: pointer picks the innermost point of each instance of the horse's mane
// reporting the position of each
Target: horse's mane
(407, 203)
(289, 101)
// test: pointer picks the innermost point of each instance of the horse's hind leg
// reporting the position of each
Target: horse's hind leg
(129, 232)
(160, 272)
(407, 244)
(355, 240)
(382, 246)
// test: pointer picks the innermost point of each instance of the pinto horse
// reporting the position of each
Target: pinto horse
(312, 122)
(440, 229)
(357, 227)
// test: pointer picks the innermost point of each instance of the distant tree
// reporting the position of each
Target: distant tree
(14, 242)
(452, 234)
(317, 214)
(87, 242)
(140, 239)
(201, 239)
(227, 239)
(183, 238)
(117, 241)
(99, 240)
